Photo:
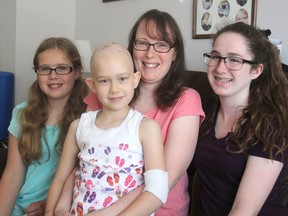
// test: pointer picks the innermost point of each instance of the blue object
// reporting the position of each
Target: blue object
(6, 102)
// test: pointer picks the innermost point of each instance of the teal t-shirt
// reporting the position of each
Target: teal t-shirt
(38, 175)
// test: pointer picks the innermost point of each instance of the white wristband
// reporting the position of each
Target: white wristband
(156, 182)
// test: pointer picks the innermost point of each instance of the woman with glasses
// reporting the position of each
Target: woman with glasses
(39, 125)
(156, 45)
(241, 156)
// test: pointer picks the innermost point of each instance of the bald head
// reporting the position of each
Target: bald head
(110, 50)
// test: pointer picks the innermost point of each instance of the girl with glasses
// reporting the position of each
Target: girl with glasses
(39, 125)
(241, 155)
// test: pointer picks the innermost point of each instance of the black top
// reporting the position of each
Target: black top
(219, 173)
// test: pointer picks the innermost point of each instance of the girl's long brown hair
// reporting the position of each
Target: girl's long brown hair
(34, 116)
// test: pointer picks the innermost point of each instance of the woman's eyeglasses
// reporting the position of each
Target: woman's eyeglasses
(161, 47)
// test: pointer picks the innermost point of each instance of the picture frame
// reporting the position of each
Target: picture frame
(211, 15)
(105, 1)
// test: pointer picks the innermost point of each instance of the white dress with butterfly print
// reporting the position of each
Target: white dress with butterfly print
(111, 162)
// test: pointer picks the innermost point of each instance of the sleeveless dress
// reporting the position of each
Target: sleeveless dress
(111, 162)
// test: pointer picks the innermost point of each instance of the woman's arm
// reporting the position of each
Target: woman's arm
(257, 182)
(12, 178)
(180, 146)
(66, 165)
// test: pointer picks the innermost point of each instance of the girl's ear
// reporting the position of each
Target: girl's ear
(77, 73)
(137, 76)
(256, 72)
(91, 84)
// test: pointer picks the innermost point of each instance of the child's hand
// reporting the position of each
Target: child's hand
(62, 212)
(36, 208)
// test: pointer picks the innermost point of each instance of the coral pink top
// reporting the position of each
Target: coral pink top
(188, 104)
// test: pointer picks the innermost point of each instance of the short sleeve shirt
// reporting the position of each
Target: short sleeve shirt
(38, 175)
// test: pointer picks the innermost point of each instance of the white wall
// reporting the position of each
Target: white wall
(35, 21)
(113, 21)
(274, 16)
(7, 34)
(25, 23)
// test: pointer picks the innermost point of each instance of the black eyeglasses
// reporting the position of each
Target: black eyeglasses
(60, 70)
(161, 47)
(232, 63)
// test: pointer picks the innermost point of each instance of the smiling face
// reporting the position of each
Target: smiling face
(152, 65)
(227, 83)
(113, 77)
(53, 85)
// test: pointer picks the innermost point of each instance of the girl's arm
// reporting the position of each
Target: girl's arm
(12, 178)
(156, 178)
(257, 182)
(65, 199)
(66, 164)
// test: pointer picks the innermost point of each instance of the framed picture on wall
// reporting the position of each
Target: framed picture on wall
(211, 15)
(109, 0)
